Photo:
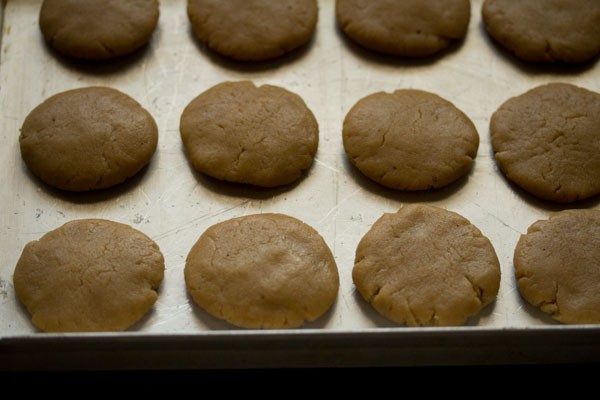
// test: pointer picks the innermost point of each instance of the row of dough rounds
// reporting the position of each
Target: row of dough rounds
(257, 30)
(422, 266)
(545, 140)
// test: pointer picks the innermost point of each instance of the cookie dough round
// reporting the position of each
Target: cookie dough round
(411, 28)
(238, 132)
(89, 275)
(92, 29)
(547, 141)
(263, 271)
(426, 266)
(88, 138)
(409, 140)
(557, 269)
(545, 30)
(253, 30)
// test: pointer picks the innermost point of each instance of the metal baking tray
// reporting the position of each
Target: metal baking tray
(173, 204)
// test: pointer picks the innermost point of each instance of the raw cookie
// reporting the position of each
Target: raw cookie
(557, 268)
(88, 138)
(425, 266)
(547, 141)
(92, 29)
(89, 275)
(409, 139)
(545, 30)
(263, 271)
(237, 132)
(253, 30)
(412, 28)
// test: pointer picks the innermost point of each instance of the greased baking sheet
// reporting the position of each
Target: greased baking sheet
(173, 204)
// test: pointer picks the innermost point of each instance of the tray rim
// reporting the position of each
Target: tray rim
(381, 347)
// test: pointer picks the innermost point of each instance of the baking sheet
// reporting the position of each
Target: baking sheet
(173, 204)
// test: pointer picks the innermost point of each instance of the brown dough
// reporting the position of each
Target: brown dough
(409, 139)
(557, 269)
(253, 30)
(412, 28)
(547, 141)
(89, 138)
(237, 132)
(545, 30)
(425, 266)
(89, 275)
(263, 271)
(93, 29)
